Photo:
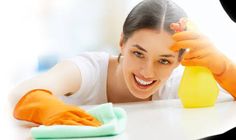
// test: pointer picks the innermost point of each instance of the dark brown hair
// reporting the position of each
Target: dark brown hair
(152, 14)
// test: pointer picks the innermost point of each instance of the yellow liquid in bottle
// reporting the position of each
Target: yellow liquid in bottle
(198, 87)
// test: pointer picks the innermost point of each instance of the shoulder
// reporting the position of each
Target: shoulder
(90, 59)
(175, 77)
(170, 89)
(95, 56)
(93, 67)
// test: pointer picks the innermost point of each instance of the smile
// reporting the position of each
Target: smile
(142, 83)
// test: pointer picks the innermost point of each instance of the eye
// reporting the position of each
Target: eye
(164, 61)
(138, 54)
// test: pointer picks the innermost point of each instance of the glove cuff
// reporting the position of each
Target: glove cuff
(227, 78)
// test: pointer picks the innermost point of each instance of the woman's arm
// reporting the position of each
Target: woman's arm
(227, 79)
(63, 78)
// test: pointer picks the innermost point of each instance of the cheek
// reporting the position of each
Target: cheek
(164, 72)
(131, 63)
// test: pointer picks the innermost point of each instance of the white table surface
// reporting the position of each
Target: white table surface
(164, 119)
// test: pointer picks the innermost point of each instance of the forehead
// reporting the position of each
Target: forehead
(152, 40)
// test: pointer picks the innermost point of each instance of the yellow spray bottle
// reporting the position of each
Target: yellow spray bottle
(198, 87)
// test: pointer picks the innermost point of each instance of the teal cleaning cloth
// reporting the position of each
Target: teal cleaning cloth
(113, 121)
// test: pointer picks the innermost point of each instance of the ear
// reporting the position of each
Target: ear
(122, 43)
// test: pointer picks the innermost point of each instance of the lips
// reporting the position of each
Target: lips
(143, 84)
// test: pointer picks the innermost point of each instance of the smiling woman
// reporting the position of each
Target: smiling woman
(146, 70)
(147, 61)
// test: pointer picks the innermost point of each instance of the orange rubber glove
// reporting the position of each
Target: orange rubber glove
(41, 107)
(203, 53)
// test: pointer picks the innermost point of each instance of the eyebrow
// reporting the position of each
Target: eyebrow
(141, 48)
(167, 55)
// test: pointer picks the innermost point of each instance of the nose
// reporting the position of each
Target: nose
(148, 70)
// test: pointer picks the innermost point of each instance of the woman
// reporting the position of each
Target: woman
(153, 35)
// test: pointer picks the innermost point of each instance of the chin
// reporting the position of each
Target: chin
(141, 95)
(141, 91)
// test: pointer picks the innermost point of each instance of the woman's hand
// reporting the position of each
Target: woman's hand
(200, 51)
(203, 53)
(42, 107)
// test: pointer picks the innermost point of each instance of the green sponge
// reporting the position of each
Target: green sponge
(113, 119)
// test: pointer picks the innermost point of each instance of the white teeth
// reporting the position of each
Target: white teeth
(143, 82)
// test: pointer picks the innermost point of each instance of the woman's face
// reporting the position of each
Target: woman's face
(147, 61)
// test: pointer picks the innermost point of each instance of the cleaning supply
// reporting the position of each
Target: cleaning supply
(42, 107)
(198, 87)
(113, 120)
